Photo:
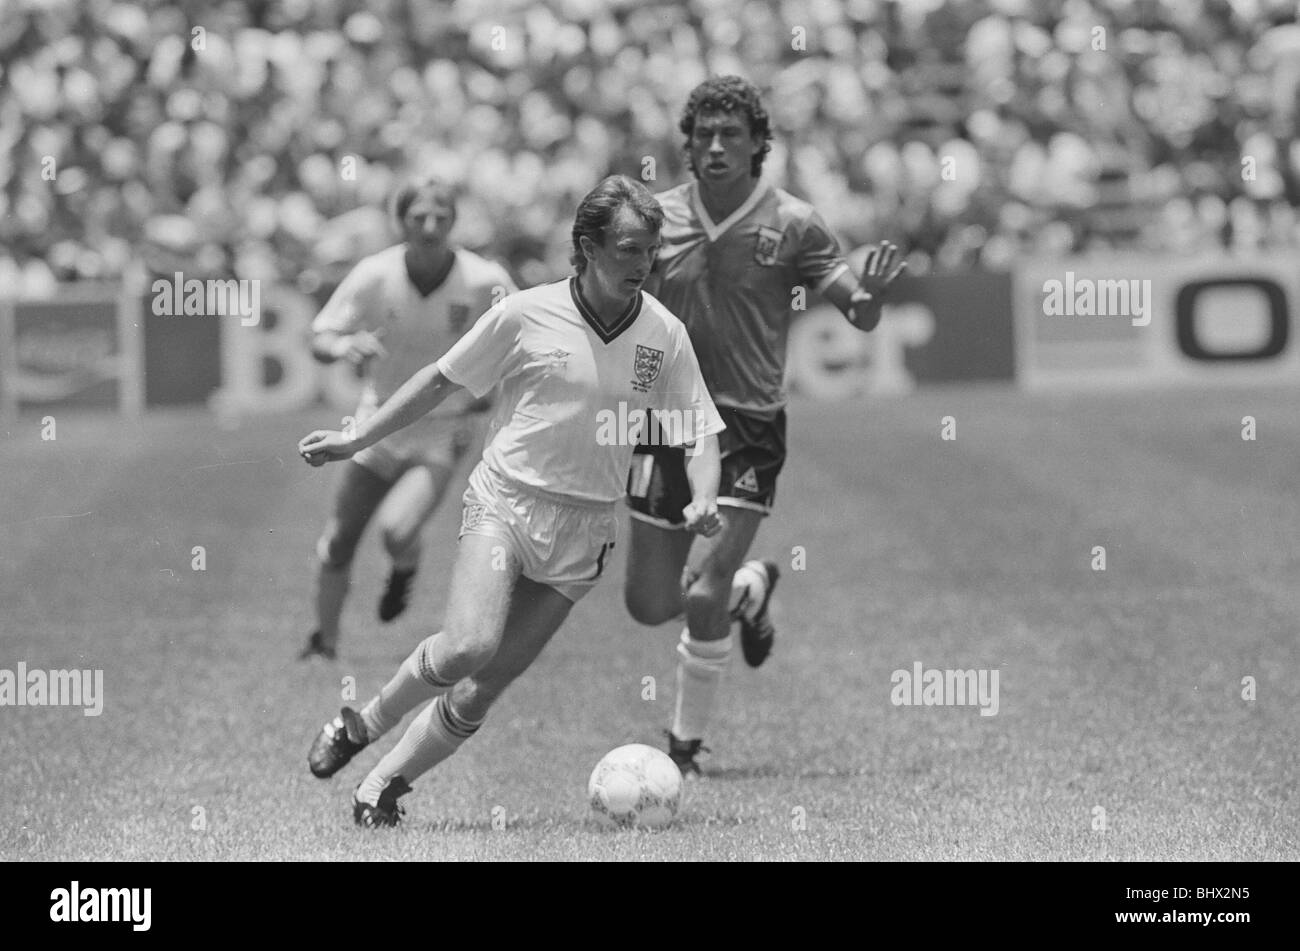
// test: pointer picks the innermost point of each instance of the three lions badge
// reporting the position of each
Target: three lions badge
(472, 516)
(646, 367)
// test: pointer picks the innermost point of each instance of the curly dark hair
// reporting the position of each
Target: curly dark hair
(728, 94)
(600, 205)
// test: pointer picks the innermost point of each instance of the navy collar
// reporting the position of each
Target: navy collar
(625, 320)
(438, 280)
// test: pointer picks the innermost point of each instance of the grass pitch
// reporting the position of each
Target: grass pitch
(1120, 691)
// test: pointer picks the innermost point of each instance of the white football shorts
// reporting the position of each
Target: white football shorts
(566, 546)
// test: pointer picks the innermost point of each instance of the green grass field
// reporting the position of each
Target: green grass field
(1119, 689)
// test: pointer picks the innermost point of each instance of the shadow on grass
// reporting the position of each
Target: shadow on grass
(512, 824)
(768, 771)
(568, 825)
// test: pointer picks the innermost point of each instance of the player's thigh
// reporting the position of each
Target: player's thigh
(655, 558)
(716, 559)
(412, 500)
(536, 613)
(359, 494)
(482, 579)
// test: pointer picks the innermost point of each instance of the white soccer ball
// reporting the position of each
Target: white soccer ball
(635, 787)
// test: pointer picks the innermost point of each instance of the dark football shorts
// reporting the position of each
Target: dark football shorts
(752, 450)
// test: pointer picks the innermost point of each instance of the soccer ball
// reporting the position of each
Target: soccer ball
(635, 787)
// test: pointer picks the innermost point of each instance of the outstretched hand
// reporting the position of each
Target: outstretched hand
(324, 446)
(879, 270)
(361, 347)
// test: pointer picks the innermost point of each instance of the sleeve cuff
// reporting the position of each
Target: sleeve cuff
(445, 369)
(831, 277)
(712, 429)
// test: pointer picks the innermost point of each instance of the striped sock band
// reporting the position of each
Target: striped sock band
(424, 664)
(452, 723)
(434, 735)
(415, 682)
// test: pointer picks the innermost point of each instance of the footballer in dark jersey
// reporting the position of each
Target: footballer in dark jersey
(734, 250)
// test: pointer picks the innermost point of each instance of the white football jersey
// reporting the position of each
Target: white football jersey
(415, 330)
(568, 385)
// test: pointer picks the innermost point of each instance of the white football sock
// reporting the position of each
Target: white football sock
(700, 665)
(432, 737)
(415, 682)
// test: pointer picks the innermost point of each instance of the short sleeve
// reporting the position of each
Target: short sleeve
(685, 397)
(351, 306)
(818, 258)
(504, 283)
(487, 353)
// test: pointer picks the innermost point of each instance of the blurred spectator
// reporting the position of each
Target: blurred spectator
(251, 132)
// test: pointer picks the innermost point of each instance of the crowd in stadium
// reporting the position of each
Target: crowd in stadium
(259, 137)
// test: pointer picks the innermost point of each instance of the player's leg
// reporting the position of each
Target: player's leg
(749, 483)
(718, 588)
(482, 577)
(561, 573)
(485, 573)
(657, 491)
(563, 552)
(359, 495)
(536, 612)
(401, 519)
(486, 567)
(751, 592)
(656, 556)
(705, 646)
(415, 498)
(656, 559)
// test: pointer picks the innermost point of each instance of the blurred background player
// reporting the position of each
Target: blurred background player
(735, 253)
(539, 517)
(397, 311)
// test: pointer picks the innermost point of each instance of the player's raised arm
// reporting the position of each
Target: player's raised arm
(417, 396)
(860, 298)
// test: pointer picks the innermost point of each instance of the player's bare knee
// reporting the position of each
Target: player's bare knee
(708, 589)
(473, 698)
(399, 541)
(465, 653)
(712, 583)
(336, 548)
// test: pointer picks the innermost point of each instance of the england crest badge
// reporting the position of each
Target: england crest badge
(646, 366)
